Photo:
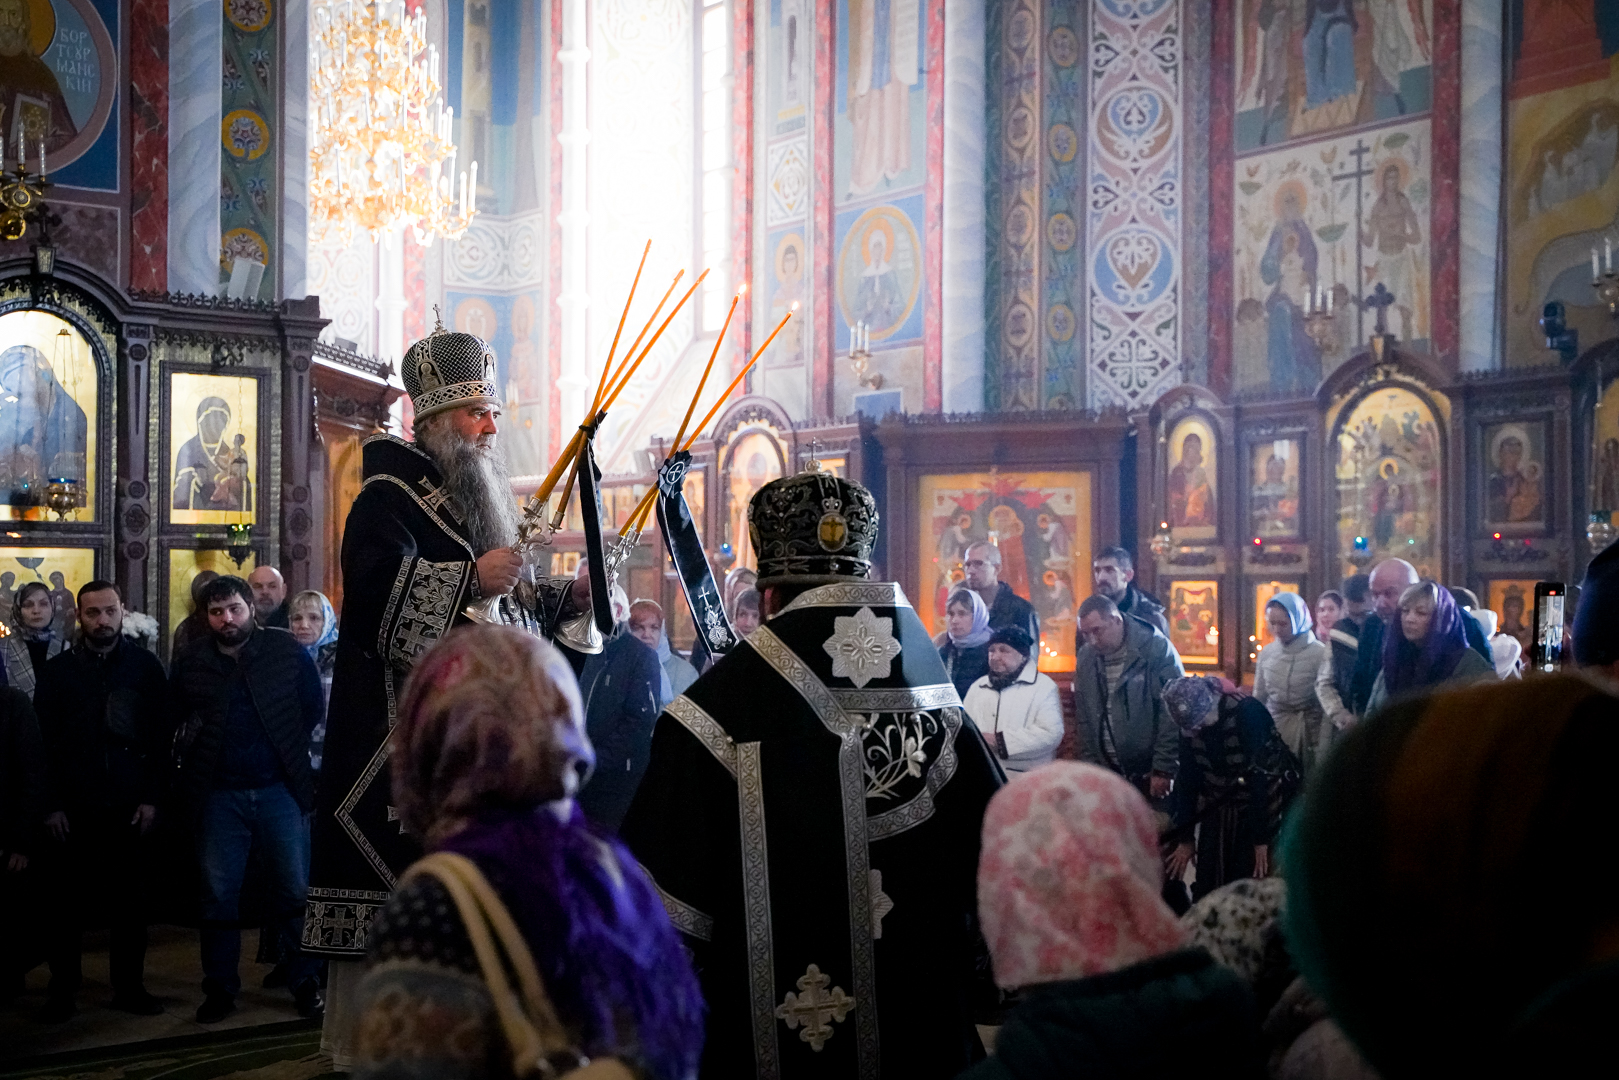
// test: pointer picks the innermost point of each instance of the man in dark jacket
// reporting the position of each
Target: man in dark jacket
(620, 688)
(103, 730)
(982, 565)
(22, 817)
(1113, 572)
(248, 698)
(1120, 670)
(269, 597)
(1387, 582)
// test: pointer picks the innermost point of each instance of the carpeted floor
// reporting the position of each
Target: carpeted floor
(285, 1051)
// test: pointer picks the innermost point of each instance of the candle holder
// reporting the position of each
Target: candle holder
(1319, 324)
(62, 497)
(22, 201)
(1162, 541)
(860, 356)
(240, 544)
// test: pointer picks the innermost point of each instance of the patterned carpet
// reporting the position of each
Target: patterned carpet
(287, 1051)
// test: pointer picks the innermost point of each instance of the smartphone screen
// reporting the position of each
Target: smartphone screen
(1548, 652)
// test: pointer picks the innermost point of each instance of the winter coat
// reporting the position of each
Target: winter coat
(1027, 715)
(1176, 1015)
(19, 661)
(1333, 677)
(1144, 733)
(284, 686)
(105, 730)
(1470, 668)
(964, 664)
(1142, 605)
(620, 687)
(1010, 609)
(1284, 682)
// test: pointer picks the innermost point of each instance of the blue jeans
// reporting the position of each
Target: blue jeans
(233, 824)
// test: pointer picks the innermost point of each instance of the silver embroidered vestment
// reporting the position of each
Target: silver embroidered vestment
(811, 815)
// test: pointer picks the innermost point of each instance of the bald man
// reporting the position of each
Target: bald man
(269, 597)
(1389, 579)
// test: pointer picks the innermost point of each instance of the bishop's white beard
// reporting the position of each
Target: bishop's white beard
(476, 481)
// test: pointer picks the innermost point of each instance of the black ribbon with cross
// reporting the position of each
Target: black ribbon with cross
(714, 633)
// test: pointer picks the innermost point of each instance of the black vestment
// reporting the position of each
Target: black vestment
(811, 817)
(408, 572)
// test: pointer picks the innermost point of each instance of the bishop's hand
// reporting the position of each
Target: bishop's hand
(497, 571)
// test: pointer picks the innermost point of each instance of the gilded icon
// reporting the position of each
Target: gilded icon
(213, 448)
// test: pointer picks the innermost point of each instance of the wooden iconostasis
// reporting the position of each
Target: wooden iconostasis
(1483, 482)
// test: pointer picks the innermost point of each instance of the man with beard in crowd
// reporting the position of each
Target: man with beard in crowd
(248, 699)
(432, 530)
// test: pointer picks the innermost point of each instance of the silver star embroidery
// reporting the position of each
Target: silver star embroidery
(862, 647)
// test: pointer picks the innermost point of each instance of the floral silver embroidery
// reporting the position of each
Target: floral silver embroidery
(895, 749)
(862, 647)
(814, 1008)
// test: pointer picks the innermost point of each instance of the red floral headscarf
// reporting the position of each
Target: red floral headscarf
(1069, 879)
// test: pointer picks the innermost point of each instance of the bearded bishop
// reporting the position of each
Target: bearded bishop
(811, 816)
(431, 531)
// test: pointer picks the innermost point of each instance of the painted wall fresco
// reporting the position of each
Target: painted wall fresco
(1084, 202)
(879, 272)
(1562, 187)
(1042, 524)
(879, 136)
(249, 181)
(59, 79)
(1331, 218)
(1333, 185)
(1306, 69)
(1133, 154)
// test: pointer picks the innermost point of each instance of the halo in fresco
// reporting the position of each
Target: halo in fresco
(58, 78)
(880, 271)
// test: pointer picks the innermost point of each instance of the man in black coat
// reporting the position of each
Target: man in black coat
(620, 688)
(248, 699)
(982, 566)
(1113, 572)
(104, 735)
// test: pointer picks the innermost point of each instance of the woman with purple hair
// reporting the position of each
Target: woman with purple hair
(1431, 647)
(488, 753)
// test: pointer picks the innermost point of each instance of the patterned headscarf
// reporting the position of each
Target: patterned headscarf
(1240, 924)
(1298, 612)
(1069, 879)
(1189, 699)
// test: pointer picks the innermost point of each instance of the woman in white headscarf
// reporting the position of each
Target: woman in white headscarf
(1284, 677)
(965, 650)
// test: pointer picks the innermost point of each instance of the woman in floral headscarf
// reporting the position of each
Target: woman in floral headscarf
(1068, 896)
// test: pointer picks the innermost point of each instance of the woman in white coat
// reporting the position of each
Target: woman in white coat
(1285, 676)
(1015, 706)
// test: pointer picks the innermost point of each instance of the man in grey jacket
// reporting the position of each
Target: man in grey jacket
(1122, 665)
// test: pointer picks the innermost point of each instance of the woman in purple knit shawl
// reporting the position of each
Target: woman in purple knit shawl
(488, 752)
(1426, 646)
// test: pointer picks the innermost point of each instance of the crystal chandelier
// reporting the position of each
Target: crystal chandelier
(380, 153)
